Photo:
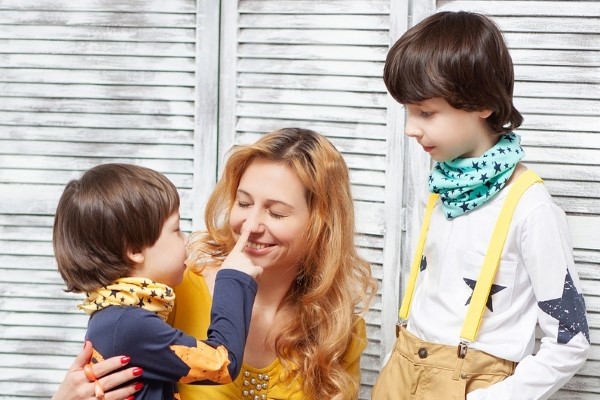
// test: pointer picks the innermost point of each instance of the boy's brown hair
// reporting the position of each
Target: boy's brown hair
(460, 57)
(111, 209)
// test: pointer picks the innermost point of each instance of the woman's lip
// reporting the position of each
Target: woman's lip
(257, 252)
(252, 248)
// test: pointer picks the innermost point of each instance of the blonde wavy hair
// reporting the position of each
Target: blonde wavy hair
(334, 284)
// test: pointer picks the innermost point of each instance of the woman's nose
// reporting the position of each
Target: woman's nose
(253, 223)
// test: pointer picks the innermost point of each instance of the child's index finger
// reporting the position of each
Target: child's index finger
(241, 243)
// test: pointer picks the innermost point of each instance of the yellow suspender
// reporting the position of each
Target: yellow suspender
(416, 264)
(490, 263)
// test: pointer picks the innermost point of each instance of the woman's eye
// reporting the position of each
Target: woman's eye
(275, 215)
(243, 204)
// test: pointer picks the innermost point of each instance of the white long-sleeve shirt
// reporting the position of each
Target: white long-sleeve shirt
(536, 282)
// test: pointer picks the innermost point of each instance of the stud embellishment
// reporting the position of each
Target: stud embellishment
(255, 386)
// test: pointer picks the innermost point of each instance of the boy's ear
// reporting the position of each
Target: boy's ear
(136, 257)
(485, 113)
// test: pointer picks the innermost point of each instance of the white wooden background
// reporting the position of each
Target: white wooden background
(84, 82)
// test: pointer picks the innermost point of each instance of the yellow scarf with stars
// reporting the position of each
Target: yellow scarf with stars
(136, 292)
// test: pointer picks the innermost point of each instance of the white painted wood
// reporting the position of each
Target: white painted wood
(394, 207)
(206, 107)
(107, 77)
(228, 78)
(349, 83)
(312, 51)
(91, 62)
(525, 8)
(308, 7)
(84, 83)
(82, 18)
(173, 6)
(32, 46)
(338, 20)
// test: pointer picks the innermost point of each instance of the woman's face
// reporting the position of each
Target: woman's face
(271, 202)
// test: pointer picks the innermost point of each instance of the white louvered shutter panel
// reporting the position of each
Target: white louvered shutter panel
(317, 65)
(555, 49)
(83, 83)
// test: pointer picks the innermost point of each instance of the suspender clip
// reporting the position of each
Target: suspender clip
(461, 351)
(399, 325)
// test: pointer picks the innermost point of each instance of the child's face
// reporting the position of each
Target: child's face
(271, 201)
(446, 132)
(163, 262)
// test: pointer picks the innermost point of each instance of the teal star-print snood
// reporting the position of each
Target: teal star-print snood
(467, 183)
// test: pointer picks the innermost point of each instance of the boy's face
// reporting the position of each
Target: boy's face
(163, 262)
(446, 132)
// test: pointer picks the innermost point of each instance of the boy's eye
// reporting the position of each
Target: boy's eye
(426, 114)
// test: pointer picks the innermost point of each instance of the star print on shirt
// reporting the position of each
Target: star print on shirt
(569, 310)
(423, 263)
(495, 289)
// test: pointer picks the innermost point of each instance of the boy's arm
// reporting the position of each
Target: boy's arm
(547, 254)
(219, 358)
(231, 312)
(167, 354)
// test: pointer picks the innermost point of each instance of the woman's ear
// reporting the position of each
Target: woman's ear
(135, 257)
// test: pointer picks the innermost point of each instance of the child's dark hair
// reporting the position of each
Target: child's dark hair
(460, 57)
(111, 209)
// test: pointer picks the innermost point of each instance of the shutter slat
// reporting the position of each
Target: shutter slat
(525, 8)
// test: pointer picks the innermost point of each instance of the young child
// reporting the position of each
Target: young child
(453, 73)
(117, 238)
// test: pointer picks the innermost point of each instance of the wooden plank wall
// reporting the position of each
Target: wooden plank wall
(555, 47)
(86, 82)
(81, 83)
(317, 64)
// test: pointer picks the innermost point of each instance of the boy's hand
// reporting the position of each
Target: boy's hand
(238, 260)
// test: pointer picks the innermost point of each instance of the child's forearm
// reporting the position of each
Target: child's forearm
(231, 312)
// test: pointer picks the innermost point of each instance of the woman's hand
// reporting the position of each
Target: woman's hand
(76, 386)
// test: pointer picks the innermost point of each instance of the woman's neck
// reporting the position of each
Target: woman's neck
(268, 318)
(273, 286)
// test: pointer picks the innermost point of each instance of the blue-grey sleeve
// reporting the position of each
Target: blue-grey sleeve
(233, 298)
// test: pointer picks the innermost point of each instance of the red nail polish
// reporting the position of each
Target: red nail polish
(137, 371)
(125, 360)
(131, 398)
(138, 385)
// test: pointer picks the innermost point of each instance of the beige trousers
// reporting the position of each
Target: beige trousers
(419, 370)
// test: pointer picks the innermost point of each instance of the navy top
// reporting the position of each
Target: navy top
(147, 339)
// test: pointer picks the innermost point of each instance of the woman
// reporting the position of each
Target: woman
(292, 185)
(306, 337)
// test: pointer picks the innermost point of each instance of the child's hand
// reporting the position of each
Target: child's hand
(238, 260)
